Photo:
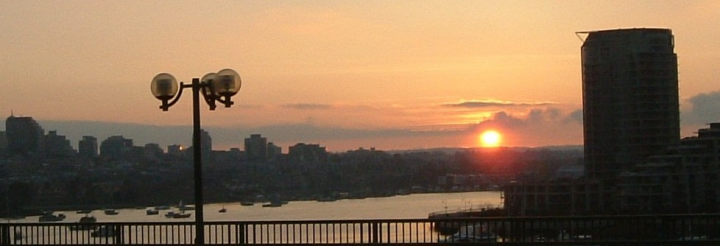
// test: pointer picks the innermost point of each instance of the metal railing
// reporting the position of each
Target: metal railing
(697, 229)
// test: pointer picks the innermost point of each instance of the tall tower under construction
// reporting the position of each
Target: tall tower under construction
(630, 98)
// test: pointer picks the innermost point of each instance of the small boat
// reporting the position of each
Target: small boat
(222, 210)
(86, 223)
(111, 212)
(247, 203)
(170, 214)
(174, 215)
(88, 219)
(152, 212)
(272, 204)
(181, 216)
(50, 217)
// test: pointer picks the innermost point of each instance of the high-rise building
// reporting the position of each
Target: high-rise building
(117, 147)
(88, 147)
(24, 135)
(57, 146)
(630, 98)
(256, 148)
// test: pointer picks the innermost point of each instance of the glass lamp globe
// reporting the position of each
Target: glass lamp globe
(208, 78)
(226, 83)
(164, 86)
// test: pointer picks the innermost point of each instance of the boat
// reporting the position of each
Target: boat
(174, 215)
(86, 223)
(181, 215)
(87, 219)
(222, 210)
(247, 203)
(50, 217)
(111, 212)
(272, 204)
(152, 212)
(170, 214)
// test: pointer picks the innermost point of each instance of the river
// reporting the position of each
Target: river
(414, 206)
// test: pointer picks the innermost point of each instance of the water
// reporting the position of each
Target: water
(414, 206)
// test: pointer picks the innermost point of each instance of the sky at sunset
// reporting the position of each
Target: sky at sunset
(342, 74)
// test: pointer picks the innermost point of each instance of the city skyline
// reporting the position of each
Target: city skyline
(398, 75)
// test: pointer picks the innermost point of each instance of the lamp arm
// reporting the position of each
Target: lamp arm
(209, 97)
(226, 100)
(175, 99)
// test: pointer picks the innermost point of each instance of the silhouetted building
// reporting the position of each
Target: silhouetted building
(307, 153)
(88, 147)
(630, 98)
(630, 112)
(24, 135)
(273, 151)
(153, 151)
(3, 142)
(175, 150)
(116, 147)
(684, 179)
(256, 148)
(57, 146)
(205, 142)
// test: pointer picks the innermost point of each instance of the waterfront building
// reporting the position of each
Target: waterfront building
(630, 98)
(684, 179)
(630, 112)
(552, 197)
(24, 135)
(256, 148)
(88, 147)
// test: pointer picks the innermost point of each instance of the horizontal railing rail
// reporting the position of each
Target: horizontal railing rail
(655, 230)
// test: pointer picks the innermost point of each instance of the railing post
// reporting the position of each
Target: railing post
(376, 232)
(118, 234)
(240, 233)
(5, 234)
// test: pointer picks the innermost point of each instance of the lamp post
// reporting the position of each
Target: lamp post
(215, 87)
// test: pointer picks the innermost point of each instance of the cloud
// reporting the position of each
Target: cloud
(705, 108)
(493, 103)
(307, 106)
(537, 127)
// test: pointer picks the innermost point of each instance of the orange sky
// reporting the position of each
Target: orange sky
(385, 74)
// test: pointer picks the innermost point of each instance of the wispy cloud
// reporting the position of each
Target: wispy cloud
(493, 103)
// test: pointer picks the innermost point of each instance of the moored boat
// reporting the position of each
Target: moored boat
(51, 217)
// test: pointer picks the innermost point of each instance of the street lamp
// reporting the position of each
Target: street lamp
(220, 87)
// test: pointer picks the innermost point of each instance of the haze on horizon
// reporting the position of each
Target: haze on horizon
(343, 74)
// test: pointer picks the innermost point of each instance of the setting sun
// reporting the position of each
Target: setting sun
(490, 139)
